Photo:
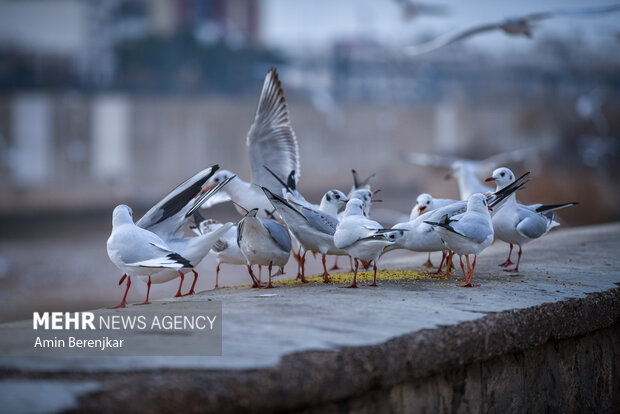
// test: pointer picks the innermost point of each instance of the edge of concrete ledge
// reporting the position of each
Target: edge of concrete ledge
(312, 378)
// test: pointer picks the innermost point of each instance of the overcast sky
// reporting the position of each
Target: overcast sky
(294, 24)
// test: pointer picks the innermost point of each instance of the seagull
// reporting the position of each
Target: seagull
(518, 224)
(467, 233)
(271, 141)
(225, 248)
(467, 171)
(263, 242)
(312, 228)
(425, 202)
(166, 218)
(362, 238)
(420, 237)
(138, 252)
(513, 26)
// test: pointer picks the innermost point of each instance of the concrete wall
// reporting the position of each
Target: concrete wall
(573, 375)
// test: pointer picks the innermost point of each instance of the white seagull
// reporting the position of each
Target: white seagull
(138, 252)
(518, 224)
(424, 203)
(362, 238)
(263, 242)
(312, 228)
(467, 233)
(271, 142)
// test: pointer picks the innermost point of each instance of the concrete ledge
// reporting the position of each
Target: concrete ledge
(532, 340)
(518, 343)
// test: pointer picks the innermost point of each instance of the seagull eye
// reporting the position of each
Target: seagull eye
(337, 197)
(503, 174)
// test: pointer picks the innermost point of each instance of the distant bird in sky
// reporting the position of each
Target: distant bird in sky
(414, 9)
(513, 26)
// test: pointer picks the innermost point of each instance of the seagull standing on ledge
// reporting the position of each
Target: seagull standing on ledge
(467, 233)
(362, 238)
(518, 224)
(424, 203)
(138, 252)
(263, 242)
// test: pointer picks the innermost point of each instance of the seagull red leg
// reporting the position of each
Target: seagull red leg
(124, 301)
(516, 269)
(325, 274)
(217, 274)
(335, 266)
(178, 295)
(438, 272)
(508, 262)
(302, 261)
(354, 284)
(428, 262)
(191, 290)
(374, 280)
(255, 283)
(269, 286)
(148, 290)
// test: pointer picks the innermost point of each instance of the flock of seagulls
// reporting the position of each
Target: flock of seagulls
(278, 222)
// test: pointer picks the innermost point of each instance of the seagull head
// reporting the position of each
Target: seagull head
(502, 177)
(355, 207)
(365, 196)
(122, 214)
(478, 202)
(424, 202)
(218, 177)
(335, 198)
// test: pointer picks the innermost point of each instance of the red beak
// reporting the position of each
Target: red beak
(489, 179)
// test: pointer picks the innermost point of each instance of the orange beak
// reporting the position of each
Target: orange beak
(207, 188)
(422, 209)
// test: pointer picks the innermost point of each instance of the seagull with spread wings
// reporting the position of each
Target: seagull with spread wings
(513, 26)
(271, 143)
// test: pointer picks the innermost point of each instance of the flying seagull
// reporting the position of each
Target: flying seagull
(513, 26)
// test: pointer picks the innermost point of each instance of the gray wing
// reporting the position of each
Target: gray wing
(531, 224)
(278, 233)
(271, 140)
(448, 38)
(174, 205)
(475, 228)
(323, 222)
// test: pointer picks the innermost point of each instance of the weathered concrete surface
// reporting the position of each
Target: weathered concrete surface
(383, 349)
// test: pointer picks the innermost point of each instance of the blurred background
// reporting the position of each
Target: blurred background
(118, 101)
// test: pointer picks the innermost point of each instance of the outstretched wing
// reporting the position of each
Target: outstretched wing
(271, 140)
(449, 38)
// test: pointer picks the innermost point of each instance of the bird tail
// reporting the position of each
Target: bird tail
(177, 258)
(553, 207)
